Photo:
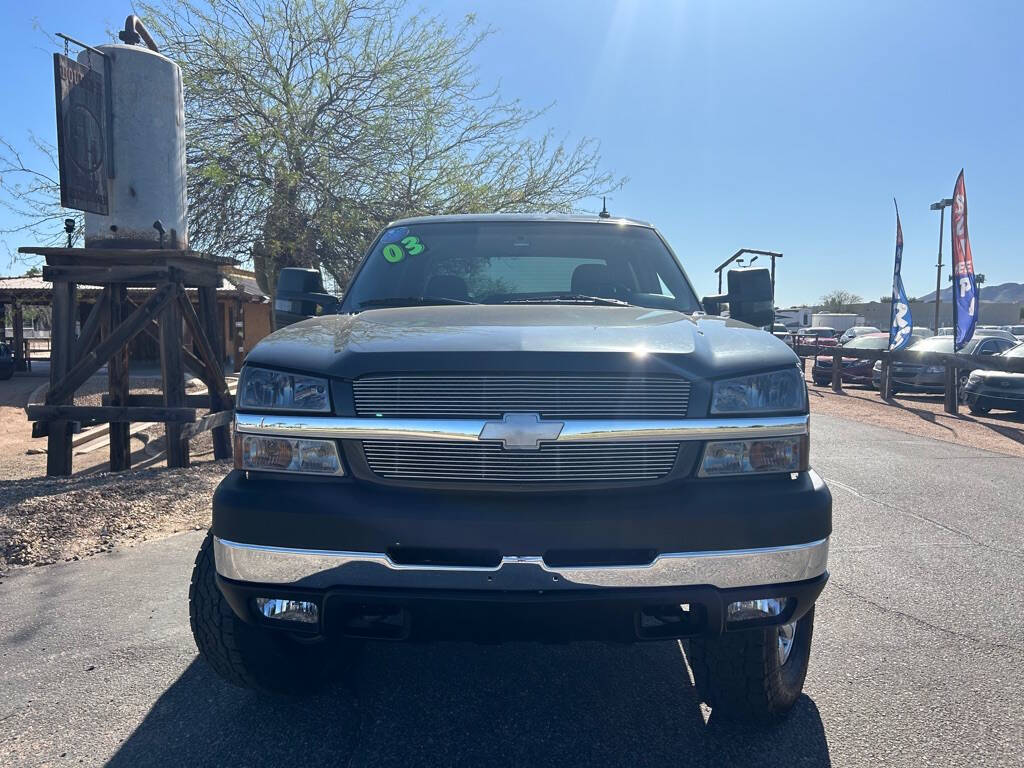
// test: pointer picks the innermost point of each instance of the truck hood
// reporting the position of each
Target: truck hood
(521, 337)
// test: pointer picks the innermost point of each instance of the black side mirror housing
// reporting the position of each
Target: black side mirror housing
(300, 294)
(750, 297)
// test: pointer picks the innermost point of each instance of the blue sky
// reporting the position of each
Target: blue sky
(785, 126)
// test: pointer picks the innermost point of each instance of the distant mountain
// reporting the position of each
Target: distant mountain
(1009, 292)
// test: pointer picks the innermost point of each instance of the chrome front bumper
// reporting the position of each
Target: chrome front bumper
(321, 569)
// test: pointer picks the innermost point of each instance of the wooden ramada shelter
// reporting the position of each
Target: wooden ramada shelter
(180, 309)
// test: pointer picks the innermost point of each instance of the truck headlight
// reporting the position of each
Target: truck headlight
(763, 392)
(265, 453)
(740, 457)
(263, 389)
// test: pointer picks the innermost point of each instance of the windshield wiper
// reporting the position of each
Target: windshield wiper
(571, 298)
(412, 301)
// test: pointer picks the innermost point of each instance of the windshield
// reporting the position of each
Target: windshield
(867, 342)
(510, 262)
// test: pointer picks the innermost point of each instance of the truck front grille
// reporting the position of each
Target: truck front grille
(460, 462)
(553, 397)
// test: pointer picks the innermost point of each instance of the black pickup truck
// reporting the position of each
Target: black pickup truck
(519, 427)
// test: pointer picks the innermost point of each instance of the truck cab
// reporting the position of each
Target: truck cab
(519, 427)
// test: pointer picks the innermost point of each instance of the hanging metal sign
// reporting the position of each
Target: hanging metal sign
(82, 135)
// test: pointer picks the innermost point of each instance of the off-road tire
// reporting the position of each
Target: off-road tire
(738, 674)
(268, 660)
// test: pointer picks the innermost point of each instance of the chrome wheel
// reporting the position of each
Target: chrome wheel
(786, 634)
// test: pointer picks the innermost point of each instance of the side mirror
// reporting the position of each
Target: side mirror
(300, 294)
(749, 298)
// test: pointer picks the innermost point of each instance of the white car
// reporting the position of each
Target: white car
(857, 330)
(1016, 330)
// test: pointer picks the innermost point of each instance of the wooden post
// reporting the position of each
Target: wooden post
(952, 401)
(19, 338)
(119, 382)
(238, 344)
(885, 385)
(211, 327)
(62, 337)
(837, 370)
(173, 381)
(3, 322)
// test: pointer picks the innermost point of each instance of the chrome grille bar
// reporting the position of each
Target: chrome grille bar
(488, 462)
(574, 431)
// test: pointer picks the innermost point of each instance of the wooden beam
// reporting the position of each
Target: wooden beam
(173, 377)
(218, 420)
(119, 382)
(199, 402)
(193, 363)
(119, 337)
(58, 438)
(110, 414)
(91, 327)
(19, 338)
(144, 274)
(216, 382)
(219, 400)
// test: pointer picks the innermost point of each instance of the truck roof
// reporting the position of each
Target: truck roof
(482, 217)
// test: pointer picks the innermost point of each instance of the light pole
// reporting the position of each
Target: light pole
(941, 207)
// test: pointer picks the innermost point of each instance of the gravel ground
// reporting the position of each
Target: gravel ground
(44, 520)
(922, 415)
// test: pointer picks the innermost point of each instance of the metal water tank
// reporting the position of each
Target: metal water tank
(148, 131)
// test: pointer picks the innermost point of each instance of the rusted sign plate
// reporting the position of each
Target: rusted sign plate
(81, 135)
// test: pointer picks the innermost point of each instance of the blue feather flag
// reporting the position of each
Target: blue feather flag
(901, 322)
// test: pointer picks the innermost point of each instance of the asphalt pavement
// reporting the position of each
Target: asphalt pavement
(917, 660)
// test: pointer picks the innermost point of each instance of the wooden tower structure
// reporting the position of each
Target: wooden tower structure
(115, 319)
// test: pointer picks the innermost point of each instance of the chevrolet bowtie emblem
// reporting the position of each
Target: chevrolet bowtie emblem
(521, 431)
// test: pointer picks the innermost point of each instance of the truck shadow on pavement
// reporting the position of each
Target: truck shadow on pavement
(585, 704)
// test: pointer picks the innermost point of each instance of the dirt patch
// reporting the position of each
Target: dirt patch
(46, 519)
(923, 415)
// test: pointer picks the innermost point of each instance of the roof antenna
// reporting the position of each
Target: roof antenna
(604, 209)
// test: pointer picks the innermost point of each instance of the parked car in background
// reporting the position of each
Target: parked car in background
(857, 330)
(782, 333)
(808, 341)
(1016, 330)
(855, 370)
(986, 331)
(996, 390)
(992, 332)
(928, 378)
(6, 362)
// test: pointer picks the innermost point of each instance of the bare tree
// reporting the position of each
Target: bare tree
(32, 195)
(313, 123)
(839, 300)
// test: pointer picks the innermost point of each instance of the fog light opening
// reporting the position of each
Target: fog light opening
(278, 609)
(769, 610)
